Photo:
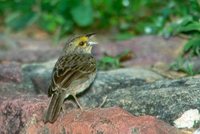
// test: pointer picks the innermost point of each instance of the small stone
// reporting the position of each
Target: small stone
(188, 119)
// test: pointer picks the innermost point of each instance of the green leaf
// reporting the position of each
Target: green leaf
(192, 46)
(194, 26)
(197, 50)
(82, 14)
(176, 27)
(107, 63)
(185, 20)
(107, 59)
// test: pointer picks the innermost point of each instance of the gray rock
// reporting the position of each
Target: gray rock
(166, 99)
(38, 76)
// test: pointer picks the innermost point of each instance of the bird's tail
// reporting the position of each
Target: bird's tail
(54, 107)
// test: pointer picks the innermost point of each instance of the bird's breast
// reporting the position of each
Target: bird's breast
(78, 86)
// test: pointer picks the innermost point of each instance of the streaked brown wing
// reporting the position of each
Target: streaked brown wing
(69, 68)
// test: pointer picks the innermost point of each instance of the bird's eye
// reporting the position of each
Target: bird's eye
(81, 43)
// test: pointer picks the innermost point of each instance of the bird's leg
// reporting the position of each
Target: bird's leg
(76, 99)
(62, 110)
(103, 102)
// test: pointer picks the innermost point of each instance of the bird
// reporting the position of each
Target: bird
(72, 74)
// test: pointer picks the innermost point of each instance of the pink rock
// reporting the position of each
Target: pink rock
(15, 112)
(106, 121)
(147, 49)
(25, 115)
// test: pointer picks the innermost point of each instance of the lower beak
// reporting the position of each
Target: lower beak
(91, 43)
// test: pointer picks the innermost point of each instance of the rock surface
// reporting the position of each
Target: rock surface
(16, 111)
(27, 50)
(25, 115)
(166, 99)
(10, 72)
(36, 77)
(147, 50)
(139, 91)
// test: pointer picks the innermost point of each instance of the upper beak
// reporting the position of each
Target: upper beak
(90, 35)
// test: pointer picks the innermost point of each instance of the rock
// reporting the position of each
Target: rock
(11, 89)
(28, 56)
(188, 119)
(29, 50)
(38, 75)
(25, 115)
(147, 50)
(108, 121)
(14, 112)
(139, 91)
(10, 72)
(34, 79)
(166, 99)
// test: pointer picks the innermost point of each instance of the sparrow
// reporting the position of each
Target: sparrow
(72, 74)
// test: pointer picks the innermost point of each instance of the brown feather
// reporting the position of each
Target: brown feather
(83, 64)
(54, 107)
(68, 68)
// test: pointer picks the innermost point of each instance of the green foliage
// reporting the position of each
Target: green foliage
(113, 62)
(192, 47)
(184, 62)
(130, 17)
(187, 24)
(108, 63)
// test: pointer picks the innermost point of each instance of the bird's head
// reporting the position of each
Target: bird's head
(80, 44)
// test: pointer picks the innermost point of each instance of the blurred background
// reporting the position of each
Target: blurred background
(113, 20)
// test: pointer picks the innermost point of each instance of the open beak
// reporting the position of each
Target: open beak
(92, 43)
